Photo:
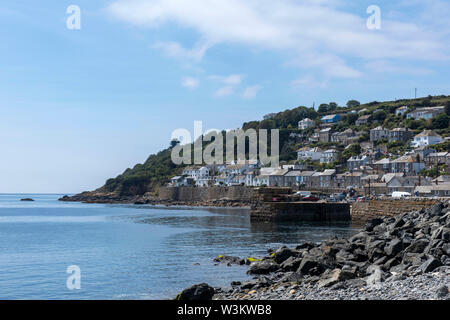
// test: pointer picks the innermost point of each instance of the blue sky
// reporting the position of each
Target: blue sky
(80, 106)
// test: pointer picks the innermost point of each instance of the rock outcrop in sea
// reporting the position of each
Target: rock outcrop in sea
(402, 257)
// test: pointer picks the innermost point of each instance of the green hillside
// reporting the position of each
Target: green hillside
(158, 168)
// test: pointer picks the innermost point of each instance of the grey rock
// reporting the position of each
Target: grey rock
(442, 291)
(291, 264)
(283, 254)
(197, 292)
(430, 265)
(373, 223)
(263, 267)
(393, 247)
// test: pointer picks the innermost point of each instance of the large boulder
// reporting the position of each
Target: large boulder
(393, 247)
(310, 266)
(263, 267)
(430, 265)
(283, 254)
(291, 264)
(373, 223)
(229, 260)
(198, 292)
(330, 278)
(376, 275)
(418, 246)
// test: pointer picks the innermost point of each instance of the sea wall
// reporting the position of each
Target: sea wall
(190, 194)
(361, 212)
(301, 212)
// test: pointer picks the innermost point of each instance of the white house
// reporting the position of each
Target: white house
(305, 124)
(306, 153)
(425, 113)
(401, 111)
(426, 138)
(357, 161)
(261, 180)
(329, 156)
(196, 172)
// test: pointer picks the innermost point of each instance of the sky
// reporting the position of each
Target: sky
(80, 105)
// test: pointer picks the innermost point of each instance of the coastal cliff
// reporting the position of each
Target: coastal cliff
(235, 196)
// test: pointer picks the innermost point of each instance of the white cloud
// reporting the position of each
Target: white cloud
(308, 81)
(229, 83)
(190, 83)
(250, 92)
(224, 91)
(317, 35)
(231, 80)
(175, 50)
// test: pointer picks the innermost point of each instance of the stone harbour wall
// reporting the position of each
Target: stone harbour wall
(361, 212)
(190, 194)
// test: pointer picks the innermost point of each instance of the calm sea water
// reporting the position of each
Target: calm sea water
(129, 252)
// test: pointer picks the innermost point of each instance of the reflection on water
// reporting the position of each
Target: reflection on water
(130, 252)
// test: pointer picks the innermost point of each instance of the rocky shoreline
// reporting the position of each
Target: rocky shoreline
(393, 258)
(88, 197)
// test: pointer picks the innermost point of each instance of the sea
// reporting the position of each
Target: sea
(55, 250)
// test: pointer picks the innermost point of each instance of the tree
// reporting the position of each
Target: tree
(350, 119)
(440, 122)
(353, 104)
(323, 108)
(380, 115)
(333, 106)
(447, 108)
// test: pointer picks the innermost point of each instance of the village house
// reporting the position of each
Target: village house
(329, 156)
(425, 113)
(400, 134)
(383, 165)
(305, 178)
(440, 190)
(307, 153)
(238, 180)
(441, 179)
(223, 179)
(376, 189)
(276, 178)
(325, 135)
(402, 184)
(261, 180)
(378, 133)
(436, 158)
(291, 178)
(349, 180)
(180, 181)
(426, 138)
(356, 162)
(401, 111)
(346, 137)
(423, 152)
(363, 120)
(236, 169)
(314, 137)
(327, 178)
(306, 124)
(407, 164)
(196, 172)
(250, 176)
(333, 118)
